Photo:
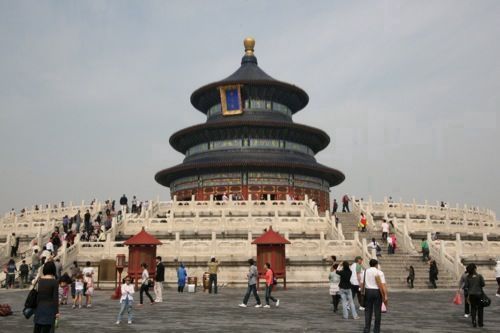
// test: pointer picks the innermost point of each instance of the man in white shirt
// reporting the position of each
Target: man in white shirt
(385, 230)
(49, 246)
(357, 280)
(88, 270)
(375, 294)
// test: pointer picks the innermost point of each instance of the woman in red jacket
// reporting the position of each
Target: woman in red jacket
(269, 286)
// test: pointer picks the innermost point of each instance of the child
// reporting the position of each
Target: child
(89, 282)
(411, 276)
(64, 283)
(78, 291)
(126, 300)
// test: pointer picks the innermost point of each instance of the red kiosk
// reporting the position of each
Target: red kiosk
(271, 249)
(142, 249)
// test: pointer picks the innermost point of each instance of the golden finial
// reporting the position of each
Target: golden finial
(249, 43)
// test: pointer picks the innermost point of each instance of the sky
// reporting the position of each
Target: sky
(90, 91)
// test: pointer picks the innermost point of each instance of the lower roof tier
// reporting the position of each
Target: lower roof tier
(167, 176)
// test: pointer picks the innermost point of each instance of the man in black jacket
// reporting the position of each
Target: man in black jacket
(160, 277)
(124, 204)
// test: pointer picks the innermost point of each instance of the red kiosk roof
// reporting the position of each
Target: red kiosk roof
(271, 237)
(142, 238)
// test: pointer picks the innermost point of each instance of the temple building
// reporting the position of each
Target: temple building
(249, 146)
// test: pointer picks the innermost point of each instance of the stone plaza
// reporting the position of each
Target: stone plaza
(301, 310)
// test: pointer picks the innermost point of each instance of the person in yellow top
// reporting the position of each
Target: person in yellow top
(213, 269)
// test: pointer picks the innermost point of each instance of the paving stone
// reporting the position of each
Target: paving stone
(301, 310)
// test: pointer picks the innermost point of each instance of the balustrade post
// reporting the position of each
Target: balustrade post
(370, 204)
(406, 236)
(356, 236)
(214, 243)
(485, 242)
(322, 243)
(177, 244)
(64, 253)
(250, 240)
(340, 232)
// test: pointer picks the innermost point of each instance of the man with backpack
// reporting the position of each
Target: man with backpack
(23, 273)
(345, 203)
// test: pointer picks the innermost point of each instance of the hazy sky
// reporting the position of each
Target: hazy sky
(90, 91)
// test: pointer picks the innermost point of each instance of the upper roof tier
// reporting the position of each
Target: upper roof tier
(251, 74)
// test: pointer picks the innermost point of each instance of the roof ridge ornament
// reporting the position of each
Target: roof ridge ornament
(249, 44)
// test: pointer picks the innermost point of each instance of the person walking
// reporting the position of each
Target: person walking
(362, 222)
(145, 285)
(346, 291)
(181, 277)
(497, 275)
(213, 269)
(411, 276)
(385, 230)
(124, 204)
(335, 206)
(345, 203)
(10, 272)
(375, 293)
(461, 286)
(12, 242)
(425, 249)
(252, 285)
(334, 280)
(474, 284)
(159, 278)
(126, 300)
(269, 286)
(47, 301)
(23, 274)
(357, 280)
(433, 273)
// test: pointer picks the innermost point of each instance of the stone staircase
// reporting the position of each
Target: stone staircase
(395, 266)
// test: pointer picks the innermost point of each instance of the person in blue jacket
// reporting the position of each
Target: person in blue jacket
(181, 277)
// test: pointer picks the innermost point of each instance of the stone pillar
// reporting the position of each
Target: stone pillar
(177, 245)
(250, 240)
(214, 243)
(322, 244)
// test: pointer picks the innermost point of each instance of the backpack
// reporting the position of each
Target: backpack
(378, 248)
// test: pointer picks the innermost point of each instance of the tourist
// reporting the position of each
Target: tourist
(390, 248)
(252, 285)
(385, 230)
(497, 275)
(12, 242)
(78, 222)
(374, 245)
(334, 280)
(127, 291)
(145, 285)
(433, 273)
(461, 286)
(474, 284)
(56, 240)
(411, 277)
(64, 285)
(50, 246)
(345, 203)
(159, 278)
(134, 205)
(425, 249)
(35, 262)
(225, 197)
(24, 271)
(394, 242)
(124, 204)
(86, 221)
(213, 269)
(346, 291)
(181, 278)
(89, 289)
(58, 268)
(79, 286)
(375, 294)
(362, 223)
(88, 269)
(357, 280)
(10, 272)
(335, 206)
(270, 281)
(47, 308)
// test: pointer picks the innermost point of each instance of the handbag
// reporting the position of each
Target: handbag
(457, 299)
(31, 299)
(384, 308)
(484, 300)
